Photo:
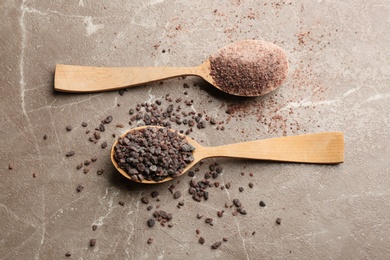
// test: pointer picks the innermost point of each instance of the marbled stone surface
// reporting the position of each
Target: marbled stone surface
(339, 80)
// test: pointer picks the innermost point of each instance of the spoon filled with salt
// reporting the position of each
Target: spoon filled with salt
(154, 154)
(244, 68)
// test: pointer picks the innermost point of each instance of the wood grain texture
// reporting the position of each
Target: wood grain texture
(83, 79)
(324, 148)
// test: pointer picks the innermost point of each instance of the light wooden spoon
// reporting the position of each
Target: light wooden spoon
(319, 148)
(256, 65)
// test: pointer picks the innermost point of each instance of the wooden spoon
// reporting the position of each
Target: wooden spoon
(258, 67)
(320, 148)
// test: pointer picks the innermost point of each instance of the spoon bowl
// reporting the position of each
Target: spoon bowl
(191, 141)
(318, 148)
(245, 68)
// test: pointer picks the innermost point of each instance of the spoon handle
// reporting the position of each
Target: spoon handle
(325, 148)
(70, 78)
